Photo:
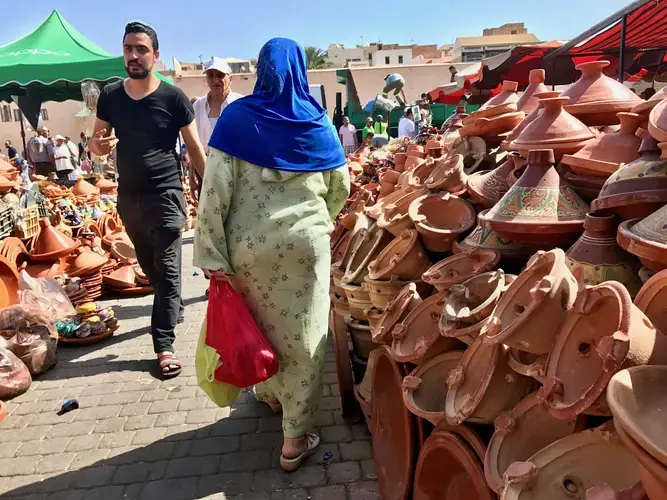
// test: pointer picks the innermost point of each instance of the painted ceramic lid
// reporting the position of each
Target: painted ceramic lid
(646, 238)
(486, 239)
(568, 468)
(393, 429)
(423, 392)
(638, 401)
(652, 300)
(487, 188)
(528, 101)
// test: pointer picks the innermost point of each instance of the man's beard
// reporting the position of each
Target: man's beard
(137, 75)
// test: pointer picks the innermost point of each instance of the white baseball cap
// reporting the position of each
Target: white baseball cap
(218, 64)
(59, 138)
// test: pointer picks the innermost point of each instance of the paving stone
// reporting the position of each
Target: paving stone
(193, 466)
(117, 439)
(147, 436)
(234, 427)
(336, 434)
(344, 472)
(83, 443)
(170, 419)
(214, 446)
(45, 447)
(96, 413)
(356, 450)
(270, 480)
(8, 450)
(89, 458)
(131, 473)
(10, 467)
(106, 493)
(231, 484)
(71, 430)
(368, 470)
(163, 406)
(363, 491)
(110, 425)
(26, 434)
(55, 462)
(135, 409)
(204, 416)
(261, 441)
(122, 398)
(161, 450)
(308, 477)
(173, 489)
(138, 422)
(68, 495)
(329, 493)
(245, 461)
(91, 477)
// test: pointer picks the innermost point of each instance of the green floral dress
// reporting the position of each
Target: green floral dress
(270, 229)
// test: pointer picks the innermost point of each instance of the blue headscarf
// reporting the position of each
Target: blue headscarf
(280, 125)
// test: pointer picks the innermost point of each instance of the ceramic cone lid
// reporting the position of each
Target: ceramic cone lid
(123, 277)
(539, 209)
(504, 102)
(84, 188)
(51, 244)
(528, 101)
(86, 263)
(530, 117)
(604, 154)
(647, 239)
(106, 185)
(652, 298)
(9, 283)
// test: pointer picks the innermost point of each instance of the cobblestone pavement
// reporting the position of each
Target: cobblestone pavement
(137, 437)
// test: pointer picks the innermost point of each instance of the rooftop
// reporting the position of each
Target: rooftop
(467, 41)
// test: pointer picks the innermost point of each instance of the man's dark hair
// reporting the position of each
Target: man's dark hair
(139, 27)
(408, 112)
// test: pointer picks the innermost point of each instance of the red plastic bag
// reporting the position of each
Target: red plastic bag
(246, 358)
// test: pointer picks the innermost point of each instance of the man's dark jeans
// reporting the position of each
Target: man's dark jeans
(154, 223)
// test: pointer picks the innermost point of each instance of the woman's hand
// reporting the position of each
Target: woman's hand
(217, 275)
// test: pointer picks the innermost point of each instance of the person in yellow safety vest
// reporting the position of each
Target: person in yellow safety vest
(380, 126)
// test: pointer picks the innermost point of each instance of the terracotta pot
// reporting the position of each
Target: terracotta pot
(413, 162)
(474, 299)
(496, 125)
(596, 257)
(9, 286)
(50, 244)
(657, 122)
(106, 186)
(519, 434)
(448, 175)
(606, 492)
(553, 128)
(423, 392)
(449, 466)
(373, 315)
(506, 145)
(84, 188)
(587, 187)
(404, 257)
(440, 219)
(596, 98)
(368, 245)
(360, 334)
(653, 473)
(528, 101)
(511, 254)
(395, 217)
(336, 280)
(47, 269)
(417, 337)
(647, 239)
(487, 188)
(400, 159)
(405, 301)
(390, 176)
(123, 277)
(340, 305)
(644, 108)
(528, 364)
(566, 469)
(504, 102)
(414, 148)
(459, 268)
(376, 210)
(394, 447)
(532, 310)
(86, 263)
(637, 189)
(123, 252)
(435, 151)
(540, 210)
(603, 334)
(417, 176)
(363, 391)
(338, 251)
(483, 385)
(652, 298)
(381, 292)
(603, 155)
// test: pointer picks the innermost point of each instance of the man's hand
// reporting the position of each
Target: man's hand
(101, 145)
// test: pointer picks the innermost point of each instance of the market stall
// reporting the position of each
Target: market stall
(485, 315)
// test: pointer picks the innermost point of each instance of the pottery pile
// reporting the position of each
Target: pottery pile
(480, 320)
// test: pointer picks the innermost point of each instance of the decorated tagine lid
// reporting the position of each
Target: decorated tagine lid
(417, 337)
(51, 244)
(456, 269)
(603, 155)
(637, 189)
(528, 101)
(596, 257)
(504, 102)
(539, 210)
(440, 218)
(596, 98)
(394, 446)
(487, 188)
(603, 333)
(449, 466)
(404, 257)
(553, 128)
(652, 298)
(532, 310)
(646, 238)
(423, 392)
(483, 385)
(569, 467)
(512, 254)
(519, 434)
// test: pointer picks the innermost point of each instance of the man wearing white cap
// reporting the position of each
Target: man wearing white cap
(61, 157)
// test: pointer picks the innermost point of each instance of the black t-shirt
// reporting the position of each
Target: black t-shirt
(11, 152)
(147, 130)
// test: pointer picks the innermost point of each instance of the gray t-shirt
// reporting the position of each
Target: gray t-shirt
(40, 149)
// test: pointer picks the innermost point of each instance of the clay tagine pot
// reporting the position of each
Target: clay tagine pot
(504, 102)
(483, 385)
(84, 188)
(362, 391)
(657, 122)
(652, 298)
(603, 333)
(86, 263)
(404, 257)
(405, 301)
(596, 257)
(493, 126)
(596, 98)
(528, 101)
(606, 492)
(448, 175)
(417, 337)
(9, 283)
(511, 254)
(459, 268)
(394, 446)
(532, 310)
(487, 188)
(646, 238)
(440, 218)
(519, 434)
(586, 186)
(417, 176)
(449, 466)
(539, 210)
(382, 292)
(637, 189)
(50, 244)
(395, 217)
(644, 108)
(603, 155)
(423, 392)
(360, 334)
(506, 145)
(370, 243)
(553, 128)
(569, 467)
(123, 277)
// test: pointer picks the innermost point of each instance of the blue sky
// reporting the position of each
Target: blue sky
(191, 28)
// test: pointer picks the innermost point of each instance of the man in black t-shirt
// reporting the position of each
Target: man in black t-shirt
(147, 115)
(11, 151)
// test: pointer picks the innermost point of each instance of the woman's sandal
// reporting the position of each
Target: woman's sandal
(166, 359)
(292, 464)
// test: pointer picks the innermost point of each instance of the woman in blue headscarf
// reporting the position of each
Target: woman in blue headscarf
(274, 181)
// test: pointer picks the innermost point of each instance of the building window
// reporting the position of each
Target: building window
(514, 32)
(45, 114)
(386, 60)
(6, 113)
(400, 59)
(17, 115)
